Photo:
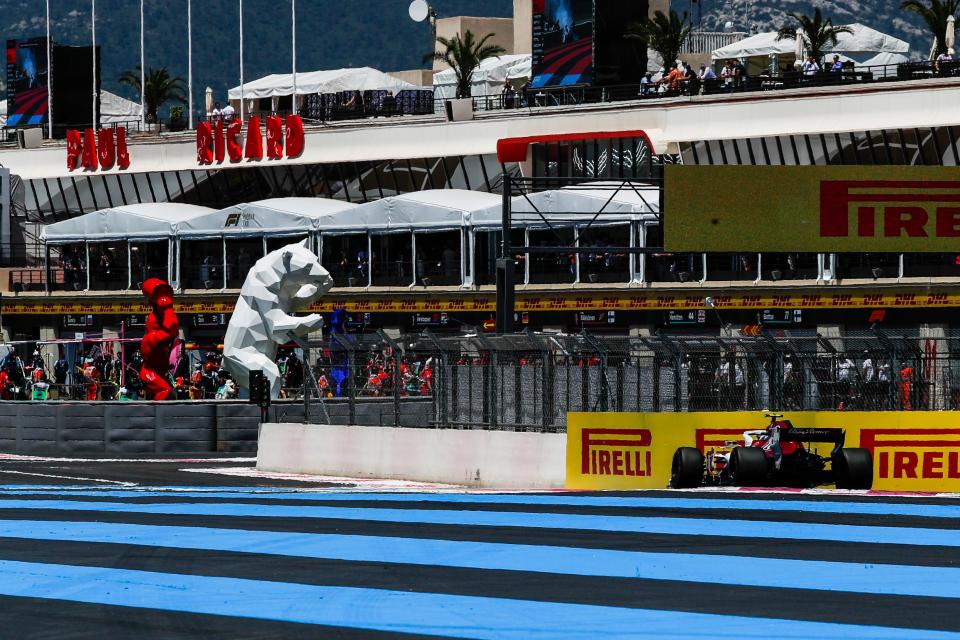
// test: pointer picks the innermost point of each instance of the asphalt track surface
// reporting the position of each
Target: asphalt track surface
(208, 548)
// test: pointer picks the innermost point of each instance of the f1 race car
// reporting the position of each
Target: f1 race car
(779, 455)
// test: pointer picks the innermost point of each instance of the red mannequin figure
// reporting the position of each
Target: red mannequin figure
(163, 330)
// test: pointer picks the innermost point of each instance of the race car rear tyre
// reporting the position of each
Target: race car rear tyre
(748, 467)
(686, 472)
(853, 469)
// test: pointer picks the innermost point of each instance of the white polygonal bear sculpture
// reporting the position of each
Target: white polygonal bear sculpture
(280, 283)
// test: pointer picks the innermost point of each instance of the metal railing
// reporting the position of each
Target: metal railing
(530, 381)
(707, 41)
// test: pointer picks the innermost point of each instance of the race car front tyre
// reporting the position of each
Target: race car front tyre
(853, 469)
(748, 467)
(686, 472)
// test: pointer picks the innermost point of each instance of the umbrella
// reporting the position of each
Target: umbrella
(951, 35)
(798, 49)
(208, 100)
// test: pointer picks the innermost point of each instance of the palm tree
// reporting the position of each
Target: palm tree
(665, 34)
(936, 16)
(818, 33)
(160, 88)
(464, 56)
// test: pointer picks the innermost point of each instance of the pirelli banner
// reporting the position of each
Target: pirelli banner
(812, 209)
(628, 301)
(912, 451)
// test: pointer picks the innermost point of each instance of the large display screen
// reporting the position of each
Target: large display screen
(27, 78)
(562, 42)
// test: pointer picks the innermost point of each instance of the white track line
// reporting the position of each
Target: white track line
(84, 479)
(372, 484)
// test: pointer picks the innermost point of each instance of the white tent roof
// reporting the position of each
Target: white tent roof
(431, 210)
(867, 40)
(522, 69)
(131, 222)
(277, 216)
(885, 59)
(578, 204)
(862, 40)
(330, 81)
(488, 78)
(489, 68)
(761, 44)
(113, 109)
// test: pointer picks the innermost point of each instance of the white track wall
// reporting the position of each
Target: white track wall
(490, 459)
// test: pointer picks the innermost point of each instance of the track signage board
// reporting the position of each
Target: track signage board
(911, 450)
(812, 209)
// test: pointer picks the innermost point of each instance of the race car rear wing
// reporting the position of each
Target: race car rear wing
(835, 437)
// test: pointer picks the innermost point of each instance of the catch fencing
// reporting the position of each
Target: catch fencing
(530, 381)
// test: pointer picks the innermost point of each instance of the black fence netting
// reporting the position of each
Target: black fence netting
(531, 381)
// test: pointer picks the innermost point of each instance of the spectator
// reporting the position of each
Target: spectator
(727, 74)
(508, 94)
(837, 66)
(646, 83)
(845, 373)
(810, 67)
(525, 93)
(673, 79)
(941, 60)
(91, 376)
(706, 73)
(691, 82)
(739, 75)
(228, 113)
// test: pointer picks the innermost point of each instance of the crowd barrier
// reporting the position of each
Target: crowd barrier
(912, 451)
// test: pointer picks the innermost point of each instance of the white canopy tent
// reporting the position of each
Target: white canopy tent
(115, 109)
(154, 221)
(202, 238)
(884, 65)
(431, 210)
(487, 79)
(274, 217)
(522, 70)
(863, 41)
(329, 81)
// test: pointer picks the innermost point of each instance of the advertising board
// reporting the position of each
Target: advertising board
(812, 209)
(912, 451)
(562, 42)
(680, 309)
(27, 78)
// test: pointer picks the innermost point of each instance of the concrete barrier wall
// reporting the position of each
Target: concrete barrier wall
(128, 427)
(493, 459)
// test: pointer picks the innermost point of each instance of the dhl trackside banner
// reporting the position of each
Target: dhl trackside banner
(587, 302)
(912, 451)
(812, 209)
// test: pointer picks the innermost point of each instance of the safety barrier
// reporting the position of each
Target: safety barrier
(128, 427)
(478, 458)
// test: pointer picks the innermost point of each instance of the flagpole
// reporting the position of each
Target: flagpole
(49, 78)
(190, 62)
(293, 12)
(241, 64)
(93, 38)
(143, 76)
